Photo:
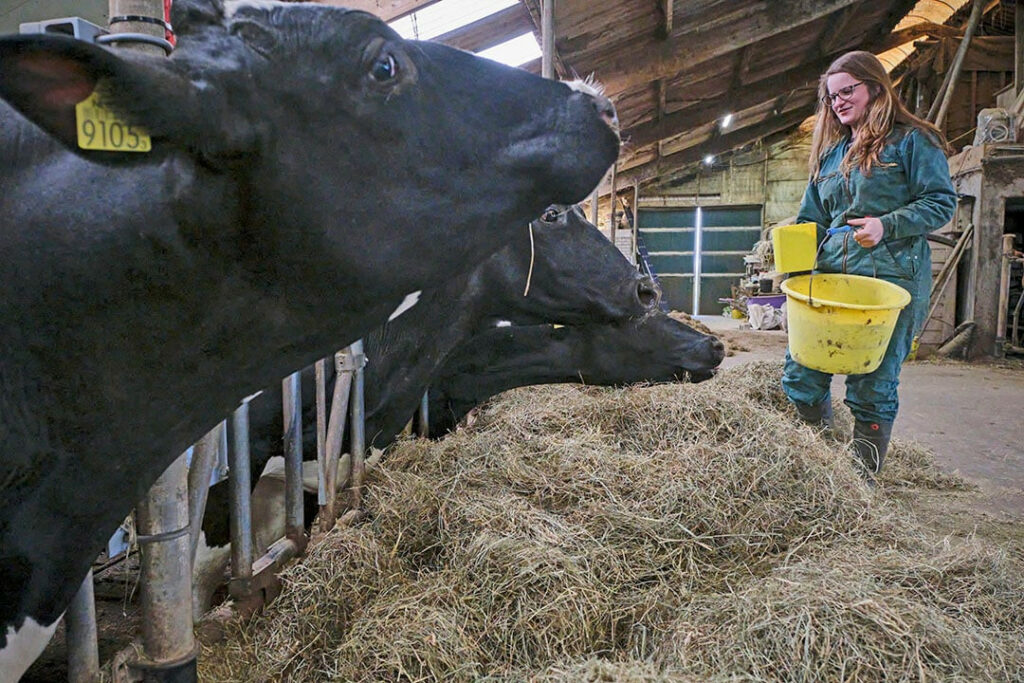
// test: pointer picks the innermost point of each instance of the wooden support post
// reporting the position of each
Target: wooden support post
(958, 61)
(1004, 296)
(547, 35)
(1018, 47)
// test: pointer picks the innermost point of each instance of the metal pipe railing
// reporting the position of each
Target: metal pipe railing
(240, 485)
(204, 458)
(168, 643)
(83, 647)
(292, 411)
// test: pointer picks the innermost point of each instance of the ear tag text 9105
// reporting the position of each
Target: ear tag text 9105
(99, 128)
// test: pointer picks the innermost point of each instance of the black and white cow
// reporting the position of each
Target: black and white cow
(575, 276)
(655, 349)
(305, 159)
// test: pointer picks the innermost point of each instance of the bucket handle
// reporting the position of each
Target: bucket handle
(829, 233)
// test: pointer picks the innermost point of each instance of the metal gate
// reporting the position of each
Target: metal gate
(698, 252)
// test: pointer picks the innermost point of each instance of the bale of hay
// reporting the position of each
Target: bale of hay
(296, 635)
(860, 614)
(650, 533)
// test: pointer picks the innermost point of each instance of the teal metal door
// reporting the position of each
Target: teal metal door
(698, 253)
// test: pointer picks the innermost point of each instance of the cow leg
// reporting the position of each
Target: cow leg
(24, 645)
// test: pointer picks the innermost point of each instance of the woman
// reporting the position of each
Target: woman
(880, 169)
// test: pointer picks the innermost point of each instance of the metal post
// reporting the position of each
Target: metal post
(204, 457)
(958, 60)
(328, 489)
(80, 623)
(547, 38)
(291, 407)
(240, 485)
(138, 8)
(357, 442)
(168, 644)
(593, 205)
(1004, 296)
(612, 228)
(636, 219)
(423, 416)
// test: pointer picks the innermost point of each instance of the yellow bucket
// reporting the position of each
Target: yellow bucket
(794, 247)
(841, 324)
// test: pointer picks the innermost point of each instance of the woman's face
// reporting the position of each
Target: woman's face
(852, 98)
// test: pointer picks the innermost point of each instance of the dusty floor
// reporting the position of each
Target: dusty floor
(968, 414)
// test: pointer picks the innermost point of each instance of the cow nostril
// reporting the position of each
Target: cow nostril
(718, 347)
(647, 293)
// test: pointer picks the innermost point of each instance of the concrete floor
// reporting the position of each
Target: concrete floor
(970, 415)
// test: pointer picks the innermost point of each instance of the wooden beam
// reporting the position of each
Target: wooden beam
(834, 35)
(695, 46)
(1018, 47)
(916, 32)
(723, 144)
(734, 100)
(385, 9)
(489, 31)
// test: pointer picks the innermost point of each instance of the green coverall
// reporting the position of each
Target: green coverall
(909, 190)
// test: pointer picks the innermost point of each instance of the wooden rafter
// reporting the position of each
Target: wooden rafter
(723, 144)
(739, 99)
(684, 50)
(489, 31)
(385, 9)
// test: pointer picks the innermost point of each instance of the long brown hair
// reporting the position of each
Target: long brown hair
(884, 111)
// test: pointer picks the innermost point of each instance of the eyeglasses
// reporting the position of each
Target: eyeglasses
(842, 94)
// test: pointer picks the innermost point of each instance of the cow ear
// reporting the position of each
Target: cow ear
(45, 84)
(45, 76)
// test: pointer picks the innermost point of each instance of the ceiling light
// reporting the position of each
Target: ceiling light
(709, 159)
(726, 120)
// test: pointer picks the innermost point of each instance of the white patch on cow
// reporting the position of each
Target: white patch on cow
(24, 645)
(207, 574)
(587, 86)
(310, 473)
(503, 323)
(407, 303)
(232, 6)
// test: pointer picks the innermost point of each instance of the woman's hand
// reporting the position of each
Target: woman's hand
(870, 232)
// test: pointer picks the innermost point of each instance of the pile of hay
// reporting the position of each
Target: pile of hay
(673, 532)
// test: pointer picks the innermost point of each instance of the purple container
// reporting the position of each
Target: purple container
(774, 300)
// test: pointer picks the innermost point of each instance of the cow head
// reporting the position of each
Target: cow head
(562, 269)
(346, 152)
(656, 349)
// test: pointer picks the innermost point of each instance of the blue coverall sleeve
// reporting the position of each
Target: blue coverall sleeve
(933, 197)
(812, 211)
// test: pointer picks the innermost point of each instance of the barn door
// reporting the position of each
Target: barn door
(698, 252)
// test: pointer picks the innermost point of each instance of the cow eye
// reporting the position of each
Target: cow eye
(385, 68)
(550, 216)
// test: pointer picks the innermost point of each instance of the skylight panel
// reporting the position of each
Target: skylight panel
(447, 15)
(515, 52)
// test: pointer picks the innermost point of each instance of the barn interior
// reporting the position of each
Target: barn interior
(716, 102)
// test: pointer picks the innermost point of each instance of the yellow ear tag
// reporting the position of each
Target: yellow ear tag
(556, 325)
(100, 128)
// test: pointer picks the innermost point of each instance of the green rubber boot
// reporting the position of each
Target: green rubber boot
(870, 444)
(817, 416)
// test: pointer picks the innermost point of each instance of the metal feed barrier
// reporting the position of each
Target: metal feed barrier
(170, 516)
